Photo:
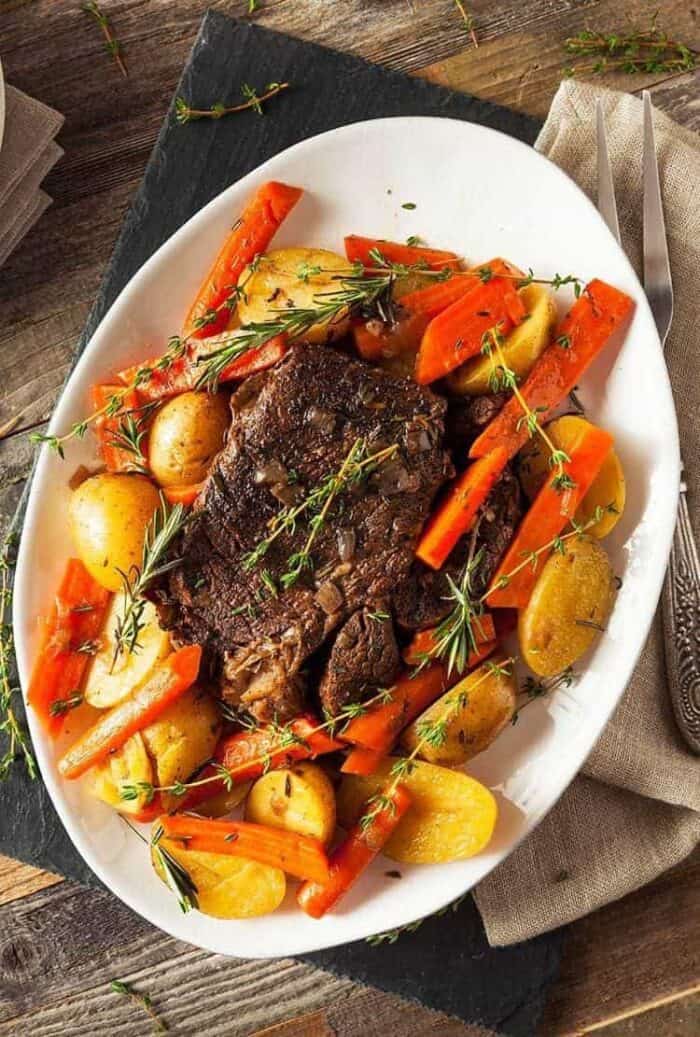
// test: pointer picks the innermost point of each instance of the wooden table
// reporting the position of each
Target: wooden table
(60, 944)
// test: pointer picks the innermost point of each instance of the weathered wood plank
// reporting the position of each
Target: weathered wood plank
(19, 880)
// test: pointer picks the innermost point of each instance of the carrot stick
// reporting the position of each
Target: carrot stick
(116, 458)
(362, 761)
(186, 495)
(358, 249)
(457, 333)
(299, 855)
(355, 853)
(457, 513)
(256, 360)
(173, 677)
(551, 510)
(162, 383)
(424, 642)
(379, 727)
(437, 297)
(250, 236)
(71, 630)
(586, 328)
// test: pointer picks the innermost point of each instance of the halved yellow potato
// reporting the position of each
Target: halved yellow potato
(183, 738)
(129, 765)
(293, 277)
(521, 348)
(470, 728)
(228, 887)
(298, 798)
(607, 490)
(569, 607)
(451, 817)
(108, 684)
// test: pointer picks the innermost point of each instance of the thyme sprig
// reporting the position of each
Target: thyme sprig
(15, 738)
(392, 935)
(468, 19)
(487, 273)
(357, 466)
(112, 44)
(143, 1000)
(533, 688)
(166, 524)
(648, 50)
(184, 113)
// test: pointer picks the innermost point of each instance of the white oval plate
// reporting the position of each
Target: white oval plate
(482, 194)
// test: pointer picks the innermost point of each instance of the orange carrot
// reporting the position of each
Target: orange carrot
(299, 855)
(170, 380)
(389, 341)
(147, 813)
(586, 328)
(186, 495)
(173, 677)
(70, 637)
(250, 237)
(116, 458)
(381, 724)
(362, 761)
(250, 362)
(457, 513)
(358, 249)
(437, 297)
(457, 333)
(424, 641)
(551, 510)
(354, 854)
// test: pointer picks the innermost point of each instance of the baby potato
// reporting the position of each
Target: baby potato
(187, 433)
(470, 728)
(183, 738)
(607, 490)
(109, 514)
(128, 765)
(521, 348)
(451, 817)
(109, 681)
(277, 285)
(298, 798)
(569, 607)
(227, 887)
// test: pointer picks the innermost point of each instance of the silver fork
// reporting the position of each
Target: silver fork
(681, 594)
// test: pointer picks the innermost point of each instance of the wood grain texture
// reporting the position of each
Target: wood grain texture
(60, 945)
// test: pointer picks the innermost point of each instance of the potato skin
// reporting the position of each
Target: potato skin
(521, 348)
(451, 817)
(608, 487)
(298, 798)
(108, 515)
(228, 887)
(187, 433)
(276, 285)
(574, 591)
(491, 702)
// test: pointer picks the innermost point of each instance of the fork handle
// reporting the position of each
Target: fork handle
(681, 613)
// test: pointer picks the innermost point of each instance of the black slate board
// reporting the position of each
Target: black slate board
(447, 964)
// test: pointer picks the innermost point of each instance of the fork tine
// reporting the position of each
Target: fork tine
(657, 269)
(606, 187)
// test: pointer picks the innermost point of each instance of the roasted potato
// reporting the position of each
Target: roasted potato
(227, 887)
(569, 607)
(109, 680)
(451, 817)
(607, 490)
(186, 434)
(109, 514)
(277, 285)
(470, 728)
(183, 738)
(299, 798)
(225, 801)
(128, 765)
(521, 347)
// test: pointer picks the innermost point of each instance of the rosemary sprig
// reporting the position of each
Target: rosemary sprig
(178, 880)
(161, 531)
(129, 436)
(15, 737)
(112, 44)
(184, 113)
(143, 1000)
(648, 50)
(468, 19)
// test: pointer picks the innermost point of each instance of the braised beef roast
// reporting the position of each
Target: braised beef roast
(292, 428)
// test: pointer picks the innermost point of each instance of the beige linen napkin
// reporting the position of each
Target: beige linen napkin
(635, 811)
(27, 153)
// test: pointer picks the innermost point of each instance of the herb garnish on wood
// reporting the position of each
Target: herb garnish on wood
(648, 50)
(468, 19)
(184, 113)
(143, 1000)
(112, 44)
(16, 739)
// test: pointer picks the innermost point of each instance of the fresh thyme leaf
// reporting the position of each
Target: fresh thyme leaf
(408, 205)
(185, 113)
(636, 51)
(468, 20)
(379, 616)
(112, 44)
(144, 1000)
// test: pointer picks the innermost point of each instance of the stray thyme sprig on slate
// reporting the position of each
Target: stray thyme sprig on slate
(15, 738)
(184, 113)
(112, 44)
(143, 1000)
(648, 51)
(162, 530)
